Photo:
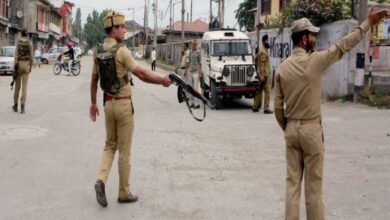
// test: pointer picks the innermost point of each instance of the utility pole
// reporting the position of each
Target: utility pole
(183, 11)
(132, 43)
(360, 56)
(155, 23)
(170, 20)
(191, 12)
(146, 25)
(221, 13)
(257, 23)
(211, 13)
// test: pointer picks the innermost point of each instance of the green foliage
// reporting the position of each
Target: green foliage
(76, 27)
(317, 11)
(93, 30)
(245, 18)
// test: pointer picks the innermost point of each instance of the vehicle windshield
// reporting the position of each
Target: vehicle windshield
(7, 52)
(231, 48)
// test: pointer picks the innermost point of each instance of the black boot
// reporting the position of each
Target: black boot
(22, 109)
(15, 107)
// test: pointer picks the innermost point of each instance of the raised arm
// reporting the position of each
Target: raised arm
(334, 53)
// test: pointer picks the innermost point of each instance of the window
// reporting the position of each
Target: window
(230, 48)
(265, 7)
(283, 4)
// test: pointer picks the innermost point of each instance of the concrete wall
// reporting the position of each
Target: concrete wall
(339, 78)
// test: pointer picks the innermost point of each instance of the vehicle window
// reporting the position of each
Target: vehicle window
(54, 50)
(230, 48)
(7, 52)
(221, 48)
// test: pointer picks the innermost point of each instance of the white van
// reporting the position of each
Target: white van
(227, 67)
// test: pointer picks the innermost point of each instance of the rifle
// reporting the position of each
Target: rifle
(185, 87)
(14, 76)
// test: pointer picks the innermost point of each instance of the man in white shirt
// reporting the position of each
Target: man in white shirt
(37, 57)
(153, 56)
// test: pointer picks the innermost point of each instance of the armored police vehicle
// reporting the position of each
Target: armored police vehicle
(227, 67)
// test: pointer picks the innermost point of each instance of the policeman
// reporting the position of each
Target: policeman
(298, 87)
(23, 62)
(185, 59)
(262, 61)
(118, 105)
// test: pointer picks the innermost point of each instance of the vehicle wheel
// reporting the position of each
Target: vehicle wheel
(44, 61)
(217, 102)
(57, 69)
(76, 69)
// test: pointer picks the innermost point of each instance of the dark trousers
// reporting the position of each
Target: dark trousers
(153, 65)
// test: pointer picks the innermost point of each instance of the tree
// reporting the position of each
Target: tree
(93, 30)
(76, 27)
(245, 18)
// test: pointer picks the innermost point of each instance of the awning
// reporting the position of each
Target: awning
(4, 21)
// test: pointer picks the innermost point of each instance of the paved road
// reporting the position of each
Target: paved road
(231, 166)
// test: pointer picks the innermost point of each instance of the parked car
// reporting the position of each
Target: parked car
(7, 59)
(53, 54)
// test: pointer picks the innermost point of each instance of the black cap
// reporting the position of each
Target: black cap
(264, 38)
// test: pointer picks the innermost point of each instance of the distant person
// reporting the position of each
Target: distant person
(185, 60)
(262, 61)
(23, 63)
(153, 56)
(37, 57)
(298, 111)
(70, 55)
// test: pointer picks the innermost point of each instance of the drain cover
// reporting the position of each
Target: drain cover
(21, 132)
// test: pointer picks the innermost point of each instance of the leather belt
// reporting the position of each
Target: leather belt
(306, 121)
(109, 98)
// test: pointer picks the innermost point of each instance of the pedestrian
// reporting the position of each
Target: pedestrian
(23, 63)
(185, 59)
(153, 59)
(118, 106)
(193, 73)
(37, 57)
(262, 61)
(298, 88)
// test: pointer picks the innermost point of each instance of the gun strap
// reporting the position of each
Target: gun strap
(186, 99)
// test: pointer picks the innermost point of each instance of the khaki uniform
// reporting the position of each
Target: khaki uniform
(185, 60)
(119, 121)
(24, 68)
(298, 87)
(262, 60)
